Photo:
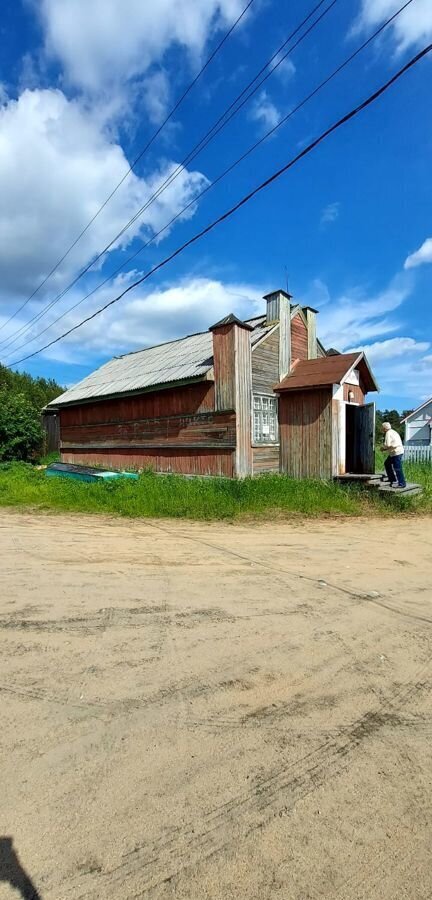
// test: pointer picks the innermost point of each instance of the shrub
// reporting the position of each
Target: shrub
(21, 433)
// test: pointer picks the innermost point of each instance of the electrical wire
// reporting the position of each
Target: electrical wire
(222, 175)
(246, 199)
(136, 160)
(204, 141)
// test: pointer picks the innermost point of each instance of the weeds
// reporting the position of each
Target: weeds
(173, 496)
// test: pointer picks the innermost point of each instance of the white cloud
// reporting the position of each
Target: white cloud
(283, 68)
(402, 365)
(156, 92)
(148, 317)
(330, 213)
(421, 256)
(412, 27)
(393, 348)
(403, 369)
(107, 42)
(265, 112)
(353, 319)
(56, 167)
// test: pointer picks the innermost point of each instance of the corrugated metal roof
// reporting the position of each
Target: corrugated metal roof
(325, 371)
(188, 357)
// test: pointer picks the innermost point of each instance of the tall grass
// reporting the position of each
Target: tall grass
(265, 497)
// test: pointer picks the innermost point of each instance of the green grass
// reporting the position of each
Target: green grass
(49, 458)
(267, 497)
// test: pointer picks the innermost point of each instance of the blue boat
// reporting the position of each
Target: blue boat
(86, 473)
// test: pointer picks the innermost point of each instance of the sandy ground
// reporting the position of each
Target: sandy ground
(215, 711)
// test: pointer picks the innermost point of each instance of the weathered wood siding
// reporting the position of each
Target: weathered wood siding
(175, 430)
(183, 461)
(311, 333)
(243, 402)
(224, 338)
(193, 398)
(305, 423)
(211, 430)
(265, 459)
(51, 427)
(299, 339)
(265, 364)
(358, 391)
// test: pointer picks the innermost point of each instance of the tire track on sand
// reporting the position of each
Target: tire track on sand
(151, 865)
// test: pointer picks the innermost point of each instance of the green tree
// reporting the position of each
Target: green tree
(22, 399)
(392, 416)
(21, 432)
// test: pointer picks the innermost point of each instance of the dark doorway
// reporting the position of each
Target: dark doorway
(360, 439)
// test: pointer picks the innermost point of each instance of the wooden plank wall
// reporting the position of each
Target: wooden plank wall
(193, 398)
(51, 427)
(243, 402)
(224, 337)
(185, 462)
(305, 422)
(299, 339)
(359, 395)
(172, 430)
(211, 430)
(265, 364)
(265, 459)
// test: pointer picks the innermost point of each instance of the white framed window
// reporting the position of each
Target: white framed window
(265, 419)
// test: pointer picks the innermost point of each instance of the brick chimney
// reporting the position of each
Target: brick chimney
(232, 363)
(279, 310)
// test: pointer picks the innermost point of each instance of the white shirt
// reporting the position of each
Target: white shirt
(393, 443)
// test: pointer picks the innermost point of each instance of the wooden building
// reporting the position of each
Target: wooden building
(201, 405)
(326, 428)
(418, 426)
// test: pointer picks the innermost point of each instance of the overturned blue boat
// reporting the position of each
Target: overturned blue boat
(86, 473)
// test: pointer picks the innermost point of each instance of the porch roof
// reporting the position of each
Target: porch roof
(326, 371)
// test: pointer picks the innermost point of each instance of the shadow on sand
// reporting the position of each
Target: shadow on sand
(13, 873)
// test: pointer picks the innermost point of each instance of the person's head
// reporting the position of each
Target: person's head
(385, 427)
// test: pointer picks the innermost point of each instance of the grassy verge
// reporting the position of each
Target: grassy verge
(200, 498)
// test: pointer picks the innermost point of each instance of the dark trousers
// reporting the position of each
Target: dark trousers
(394, 470)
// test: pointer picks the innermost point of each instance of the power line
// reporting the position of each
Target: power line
(204, 141)
(222, 175)
(136, 160)
(264, 184)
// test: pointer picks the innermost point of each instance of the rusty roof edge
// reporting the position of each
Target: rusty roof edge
(151, 388)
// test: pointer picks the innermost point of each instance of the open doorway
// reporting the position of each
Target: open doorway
(360, 439)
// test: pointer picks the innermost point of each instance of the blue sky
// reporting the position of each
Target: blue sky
(85, 83)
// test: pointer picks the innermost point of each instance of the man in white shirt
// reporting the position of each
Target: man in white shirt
(393, 463)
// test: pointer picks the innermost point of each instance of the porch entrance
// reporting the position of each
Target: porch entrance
(360, 439)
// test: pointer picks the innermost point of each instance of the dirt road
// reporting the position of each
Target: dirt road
(215, 711)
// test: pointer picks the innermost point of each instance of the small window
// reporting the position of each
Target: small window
(265, 420)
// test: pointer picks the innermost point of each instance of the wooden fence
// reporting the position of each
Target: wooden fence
(51, 426)
(418, 454)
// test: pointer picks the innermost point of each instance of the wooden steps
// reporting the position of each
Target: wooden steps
(376, 482)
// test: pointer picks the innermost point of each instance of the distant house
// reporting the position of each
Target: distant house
(418, 426)
(211, 403)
